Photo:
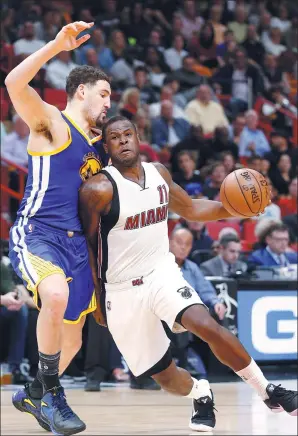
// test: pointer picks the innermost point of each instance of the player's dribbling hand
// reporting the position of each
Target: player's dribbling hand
(67, 40)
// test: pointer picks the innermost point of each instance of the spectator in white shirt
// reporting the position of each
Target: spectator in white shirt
(166, 94)
(272, 42)
(59, 69)
(202, 111)
(190, 21)
(282, 21)
(28, 44)
(174, 55)
(14, 145)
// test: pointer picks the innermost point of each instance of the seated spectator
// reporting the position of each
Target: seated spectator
(143, 125)
(156, 66)
(180, 245)
(272, 42)
(117, 44)
(276, 248)
(282, 21)
(254, 163)
(236, 128)
(201, 240)
(253, 46)
(175, 54)
(59, 69)
(233, 78)
(166, 94)
(188, 177)
(167, 131)
(212, 186)
(204, 112)
(148, 154)
(196, 144)
(203, 46)
(274, 73)
(155, 40)
(279, 145)
(109, 18)
(221, 49)
(14, 144)
(252, 140)
(186, 75)
(282, 175)
(14, 316)
(265, 167)
(130, 103)
(136, 26)
(221, 143)
(28, 43)
(279, 120)
(227, 263)
(191, 21)
(239, 25)
(147, 94)
(97, 42)
(215, 18)
(174, 29)
(288, 203)
(46, 30)
(229, 161)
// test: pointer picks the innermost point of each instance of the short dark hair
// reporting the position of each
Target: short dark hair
(141, 68)
(226, 239)
(85, 75)
(112, 121)
(276, 227)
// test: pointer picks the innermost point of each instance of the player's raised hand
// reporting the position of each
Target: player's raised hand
(67, 40)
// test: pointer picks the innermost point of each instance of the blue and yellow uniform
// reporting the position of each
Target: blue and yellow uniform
(47, 236)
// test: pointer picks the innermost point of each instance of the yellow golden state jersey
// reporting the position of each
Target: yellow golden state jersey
(54, 179)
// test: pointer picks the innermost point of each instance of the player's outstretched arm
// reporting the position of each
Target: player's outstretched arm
(192, 210)
(95, 196)
(25, 99)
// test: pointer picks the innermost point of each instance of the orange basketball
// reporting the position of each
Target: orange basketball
(245, 192)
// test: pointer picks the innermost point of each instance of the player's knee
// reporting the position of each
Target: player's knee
(201, 324)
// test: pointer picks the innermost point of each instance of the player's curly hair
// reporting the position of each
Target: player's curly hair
(83, 74)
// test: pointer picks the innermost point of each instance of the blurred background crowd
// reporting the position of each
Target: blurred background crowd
(211, 87)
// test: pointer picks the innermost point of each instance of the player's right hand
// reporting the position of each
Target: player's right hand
(66, 39)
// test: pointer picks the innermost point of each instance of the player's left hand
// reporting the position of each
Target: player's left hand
(220, 310)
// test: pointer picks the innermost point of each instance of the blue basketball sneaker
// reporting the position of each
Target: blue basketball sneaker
(58, 415)
(25, 403)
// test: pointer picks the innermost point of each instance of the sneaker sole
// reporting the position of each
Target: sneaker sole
(200, 427)
(66, 433)
(281, 409)
(42, 424)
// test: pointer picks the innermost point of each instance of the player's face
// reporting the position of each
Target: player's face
(97, 102)
(123, 143)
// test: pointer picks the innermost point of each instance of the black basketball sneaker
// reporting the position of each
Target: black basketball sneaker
(203, 416)
(281, 399)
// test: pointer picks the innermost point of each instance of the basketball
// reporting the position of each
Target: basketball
(245, 192)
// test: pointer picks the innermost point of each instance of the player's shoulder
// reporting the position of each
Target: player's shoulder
(163, 171)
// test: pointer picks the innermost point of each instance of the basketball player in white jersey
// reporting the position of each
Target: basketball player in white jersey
(124, 213)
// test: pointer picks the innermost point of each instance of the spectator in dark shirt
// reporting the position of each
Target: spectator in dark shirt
(136, 25)
(281, 176)
(186, 75)
(279, 145)
(109, 18)
(202, 242)
(203, 46)
(221, 142)
(212, 186)
(221, 49)
(253, 46)
(147, 94)
(188, 176)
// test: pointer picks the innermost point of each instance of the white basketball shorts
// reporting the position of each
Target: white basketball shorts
(135, 310)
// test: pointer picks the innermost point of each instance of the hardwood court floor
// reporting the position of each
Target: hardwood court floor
(122, 411)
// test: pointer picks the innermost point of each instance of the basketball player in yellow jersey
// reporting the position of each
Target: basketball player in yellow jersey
(47, 247)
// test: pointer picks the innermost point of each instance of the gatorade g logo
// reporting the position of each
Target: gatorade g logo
(274, 324)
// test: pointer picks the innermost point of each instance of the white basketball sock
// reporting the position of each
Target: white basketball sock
(253, 376)
(200, 388)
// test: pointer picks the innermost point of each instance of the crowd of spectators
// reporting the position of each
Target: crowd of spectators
(189, 74)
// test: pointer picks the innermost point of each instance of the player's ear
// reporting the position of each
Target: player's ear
(81, 91)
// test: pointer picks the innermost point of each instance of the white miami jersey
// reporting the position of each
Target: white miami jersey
(133, 236)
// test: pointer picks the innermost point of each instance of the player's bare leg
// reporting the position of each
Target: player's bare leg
(71, 343)
(229, 350)
(46, 389)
